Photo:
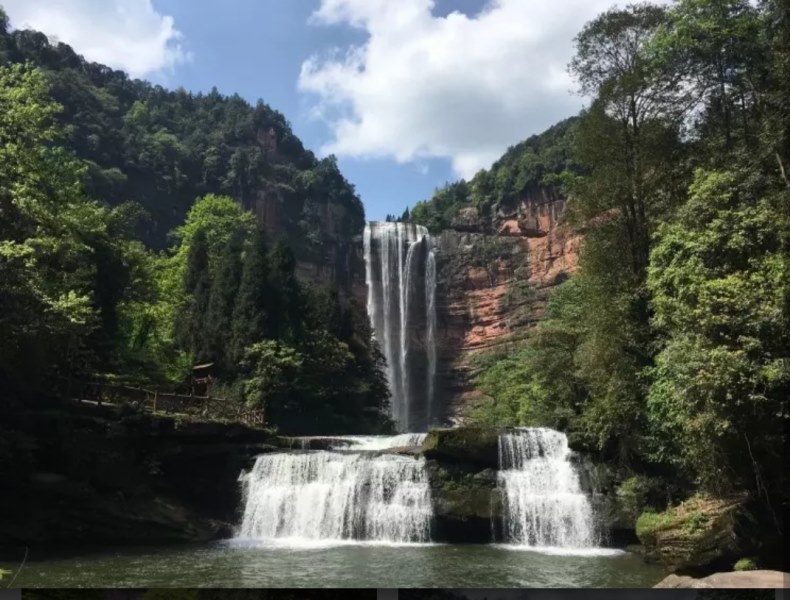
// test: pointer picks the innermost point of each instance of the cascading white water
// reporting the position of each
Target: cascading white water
(356, 493)
(430, 317)
(381, 442)
(359, 442)
(544, 505)
(399, 264)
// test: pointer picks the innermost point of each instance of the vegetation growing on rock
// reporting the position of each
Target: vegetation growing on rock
(695, 534)
(529, 166)
(745, 564)
(164, 148)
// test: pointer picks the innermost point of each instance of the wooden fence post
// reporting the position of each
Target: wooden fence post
(156, 395)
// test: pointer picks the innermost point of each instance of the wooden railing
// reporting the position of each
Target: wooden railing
(208, 407)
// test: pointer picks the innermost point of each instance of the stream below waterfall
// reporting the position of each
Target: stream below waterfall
(236, 564)
(356, 512)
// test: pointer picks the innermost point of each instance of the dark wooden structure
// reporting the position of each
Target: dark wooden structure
(202, 379)
(156, 401)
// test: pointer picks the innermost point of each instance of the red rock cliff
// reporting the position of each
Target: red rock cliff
(495, 275)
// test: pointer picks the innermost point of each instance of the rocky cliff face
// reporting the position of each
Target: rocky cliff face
(109, 476)
(325, 236)
(494, 276)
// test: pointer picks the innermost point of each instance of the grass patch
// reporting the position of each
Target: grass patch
(745, 564)
(691, 517)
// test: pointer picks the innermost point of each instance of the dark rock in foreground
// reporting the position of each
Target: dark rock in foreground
(107, 478)
(467, 444)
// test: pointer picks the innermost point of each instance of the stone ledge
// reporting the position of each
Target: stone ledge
(735, 579)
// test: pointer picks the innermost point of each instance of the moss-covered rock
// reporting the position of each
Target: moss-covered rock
(619, 503)
(465, 500)
(465, 503)
(698, 534)
(465, 514)
(469, 444)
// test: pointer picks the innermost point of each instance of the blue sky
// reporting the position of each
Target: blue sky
(409, 94)
(260, 56)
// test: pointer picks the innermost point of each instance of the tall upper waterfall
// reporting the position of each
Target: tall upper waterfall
(401, 278)
(544, 505)
(350, 492)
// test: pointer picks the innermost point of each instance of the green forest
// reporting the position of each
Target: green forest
(133, 248)
(127, 253)
(668, 350)
(539, 162)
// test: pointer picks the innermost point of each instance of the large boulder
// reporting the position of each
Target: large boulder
(466, 502)
(700, 534)
(467, 444)
(733, 580)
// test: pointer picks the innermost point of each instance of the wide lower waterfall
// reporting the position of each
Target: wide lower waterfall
(544, 505)
(353, 493)
(401, 278)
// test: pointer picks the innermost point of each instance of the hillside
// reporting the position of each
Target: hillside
(504, 244)
(144, 231)
(163, 148)
(530, 169)
(623, 276)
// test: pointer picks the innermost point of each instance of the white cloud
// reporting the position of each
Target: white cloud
(457, 87)
(125, 34)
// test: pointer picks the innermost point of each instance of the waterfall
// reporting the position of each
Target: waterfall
(430, 317)
(360, 442)
(400, 272)
(381, 442)
(543, 504)
(356, 493)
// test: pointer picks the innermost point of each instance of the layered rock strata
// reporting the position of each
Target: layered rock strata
(494, 275)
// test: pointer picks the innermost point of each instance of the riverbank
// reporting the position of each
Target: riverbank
(87, 475)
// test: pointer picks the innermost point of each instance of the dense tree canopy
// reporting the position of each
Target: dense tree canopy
(526, 167)
(164, 148)
(82, 297)
(65, 261)
(668, 350)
